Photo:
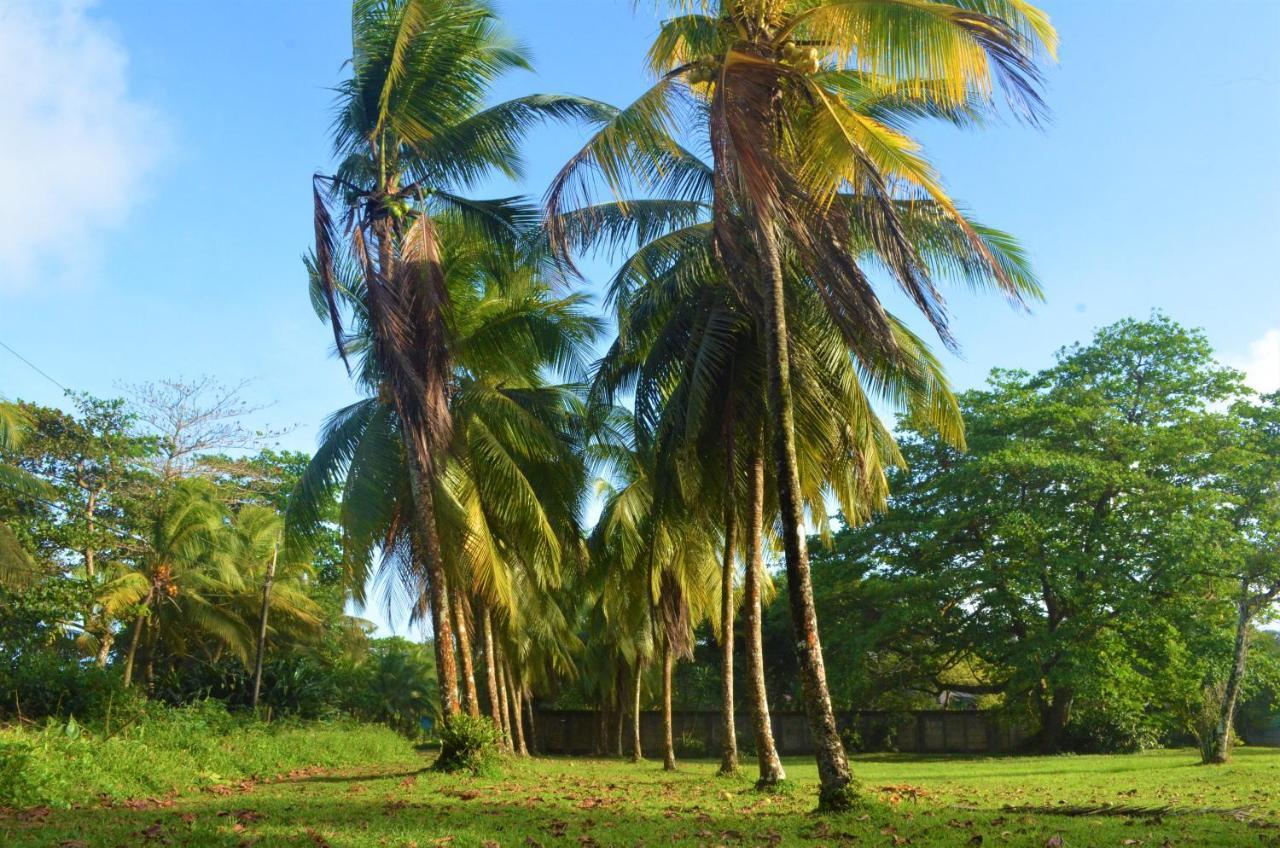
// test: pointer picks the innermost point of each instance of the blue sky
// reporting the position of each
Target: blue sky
(157, 155)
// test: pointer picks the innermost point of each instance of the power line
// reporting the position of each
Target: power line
(34, 367)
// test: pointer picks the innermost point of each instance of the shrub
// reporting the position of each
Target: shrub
(1110, 729)
(44, 683)
(469, 744)
(689, 744)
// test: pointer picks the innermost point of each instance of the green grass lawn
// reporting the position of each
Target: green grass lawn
(578, 803)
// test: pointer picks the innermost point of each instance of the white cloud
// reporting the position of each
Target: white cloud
(77, 144)
(1261, 364)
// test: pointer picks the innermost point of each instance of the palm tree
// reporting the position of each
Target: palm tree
(257, 542)
(410, 132)
(184, 569)
(506, 495)
(660, 565)
(803, 171)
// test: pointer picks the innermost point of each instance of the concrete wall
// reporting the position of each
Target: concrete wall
(927, 731)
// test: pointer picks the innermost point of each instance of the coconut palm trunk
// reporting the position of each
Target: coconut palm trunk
(490, 670)
(757, 694)
(470, 694)
(668, 731)
(504, 712)
(530, 729)
(131, 655)
(620, 713)
(514, 720)
(637, 753)
(833, 766)
(729, 749)
(428, 538)
(262, 626)
(517, 718)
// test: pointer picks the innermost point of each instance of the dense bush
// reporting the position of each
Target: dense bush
(161, 749)
(469, 744)
(292, 685)
(46, 683)
(1110, 729)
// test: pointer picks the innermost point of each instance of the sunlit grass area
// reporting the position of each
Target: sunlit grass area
(585, 802)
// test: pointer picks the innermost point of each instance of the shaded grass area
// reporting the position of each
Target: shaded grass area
(583, 803)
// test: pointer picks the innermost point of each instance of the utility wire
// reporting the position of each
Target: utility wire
(35, 367)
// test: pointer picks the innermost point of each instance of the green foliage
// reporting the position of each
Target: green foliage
(394, 684)
(470, 744)
(44, 683)
(1068, 563)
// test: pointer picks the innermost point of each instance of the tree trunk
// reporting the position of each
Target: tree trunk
(757, 694)
(669, 754)
(833, 767)
(105, 642)
(132, 654)
(504, 713)
(470, 695)
(490, 671)
(1221, 749)
(620, 694)
(602, 729)
(530, 730)
(149, 670)
(637, 754)
(427, 536)
(1054, 717)
(729, 746)
(517, 723)
(262, 625)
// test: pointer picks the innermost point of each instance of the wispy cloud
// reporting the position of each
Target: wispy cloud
(77, 144)
(1261, 364)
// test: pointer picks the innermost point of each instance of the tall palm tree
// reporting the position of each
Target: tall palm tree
(510, 477)
(801, 166)
(411, 131)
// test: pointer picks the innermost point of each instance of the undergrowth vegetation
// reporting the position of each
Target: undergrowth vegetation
(470, 744)
(168, 750)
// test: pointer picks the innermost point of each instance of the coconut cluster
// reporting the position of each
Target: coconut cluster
(806, 60)
(703, 71)
(397, 207)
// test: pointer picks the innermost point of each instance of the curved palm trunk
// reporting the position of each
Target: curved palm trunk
(105, 643)
(833, 766)
(637, 754)
(135, 638)
(470, 695)
(729, 746)
(262, 626)
(757, 694)
(669, 753)
(490, 670)
(437, 587)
